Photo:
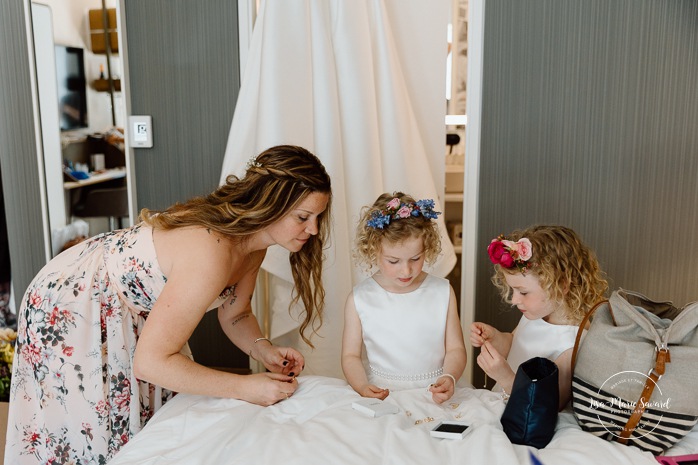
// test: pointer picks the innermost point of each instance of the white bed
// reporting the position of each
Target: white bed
(317, 425)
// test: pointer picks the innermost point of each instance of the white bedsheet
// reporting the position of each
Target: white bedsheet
(318, 426)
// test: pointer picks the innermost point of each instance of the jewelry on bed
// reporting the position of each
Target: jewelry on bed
(424, 420)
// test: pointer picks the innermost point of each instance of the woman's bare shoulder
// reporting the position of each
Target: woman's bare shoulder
(191, 245)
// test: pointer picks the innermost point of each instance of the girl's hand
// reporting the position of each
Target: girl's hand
(481, 332)
(374, 392)
(284, 360)
(442, 389)
(268, 388)
(494, 365)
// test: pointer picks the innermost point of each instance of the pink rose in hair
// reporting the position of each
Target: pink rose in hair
(393, 204)
(524, 249)
(404, 212)
(509, 244)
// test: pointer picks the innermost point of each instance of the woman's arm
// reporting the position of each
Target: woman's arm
(242, 328)
(198, 266)
(352, 342)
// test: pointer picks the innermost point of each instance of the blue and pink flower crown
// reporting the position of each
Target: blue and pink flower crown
(395, 210)
(511, 254)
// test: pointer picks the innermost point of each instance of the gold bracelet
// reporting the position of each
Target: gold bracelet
(255, 342)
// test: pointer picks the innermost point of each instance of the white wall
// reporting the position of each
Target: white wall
(65, 22)
(71, 27)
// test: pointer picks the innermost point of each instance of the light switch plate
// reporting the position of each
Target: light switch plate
(141, 131)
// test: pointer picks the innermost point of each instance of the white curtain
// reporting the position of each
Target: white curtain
(360, 83)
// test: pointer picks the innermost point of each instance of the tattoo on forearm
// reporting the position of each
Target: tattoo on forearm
(238, 319)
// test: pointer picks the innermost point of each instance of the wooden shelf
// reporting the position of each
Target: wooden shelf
(98, 30)
(453, 197)
(455, 168)
(102, 85)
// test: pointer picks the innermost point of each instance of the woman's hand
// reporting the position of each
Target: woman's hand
(267, 388)
(374, 392)
(284, 360)
(442, 389)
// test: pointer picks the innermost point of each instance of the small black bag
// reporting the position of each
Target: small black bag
(530, 415)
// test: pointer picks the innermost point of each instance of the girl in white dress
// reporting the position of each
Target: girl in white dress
(554, 279)
(406, 319)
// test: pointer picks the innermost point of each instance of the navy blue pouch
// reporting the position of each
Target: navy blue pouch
(530, 415)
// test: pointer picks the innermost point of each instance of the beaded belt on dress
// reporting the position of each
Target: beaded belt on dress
(401, 377)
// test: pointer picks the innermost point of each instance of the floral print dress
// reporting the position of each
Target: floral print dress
(74, 398)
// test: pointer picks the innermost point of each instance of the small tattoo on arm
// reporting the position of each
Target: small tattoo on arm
(238, 319)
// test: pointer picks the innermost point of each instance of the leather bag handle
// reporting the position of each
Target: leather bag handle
(580, 331)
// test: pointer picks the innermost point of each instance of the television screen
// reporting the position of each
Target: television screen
(72, 87)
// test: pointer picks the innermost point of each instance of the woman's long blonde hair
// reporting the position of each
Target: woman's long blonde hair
(275, 182)
(566, 268)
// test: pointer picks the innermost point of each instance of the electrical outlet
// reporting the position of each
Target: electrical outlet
(141, 131)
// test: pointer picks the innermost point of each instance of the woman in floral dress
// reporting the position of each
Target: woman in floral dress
(103, 327)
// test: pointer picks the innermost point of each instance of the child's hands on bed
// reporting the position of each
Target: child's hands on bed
(442, 389)
(284, 360)
(374, 392)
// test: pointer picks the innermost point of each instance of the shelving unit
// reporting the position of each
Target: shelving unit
(104, 40)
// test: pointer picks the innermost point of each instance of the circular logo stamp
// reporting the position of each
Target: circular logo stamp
(618, 398)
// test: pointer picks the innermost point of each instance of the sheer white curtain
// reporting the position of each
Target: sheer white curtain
(360, 83)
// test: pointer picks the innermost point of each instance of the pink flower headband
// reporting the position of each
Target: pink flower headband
(510, 254)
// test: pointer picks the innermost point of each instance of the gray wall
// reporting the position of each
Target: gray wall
(18, 155)
(183, 71)
(590, 119)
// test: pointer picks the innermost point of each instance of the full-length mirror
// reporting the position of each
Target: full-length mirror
(82, 118)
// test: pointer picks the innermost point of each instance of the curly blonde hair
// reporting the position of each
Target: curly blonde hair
(566, 268)
(368, 243)
(275, 183)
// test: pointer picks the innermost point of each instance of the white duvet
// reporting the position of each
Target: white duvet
(317, 425)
